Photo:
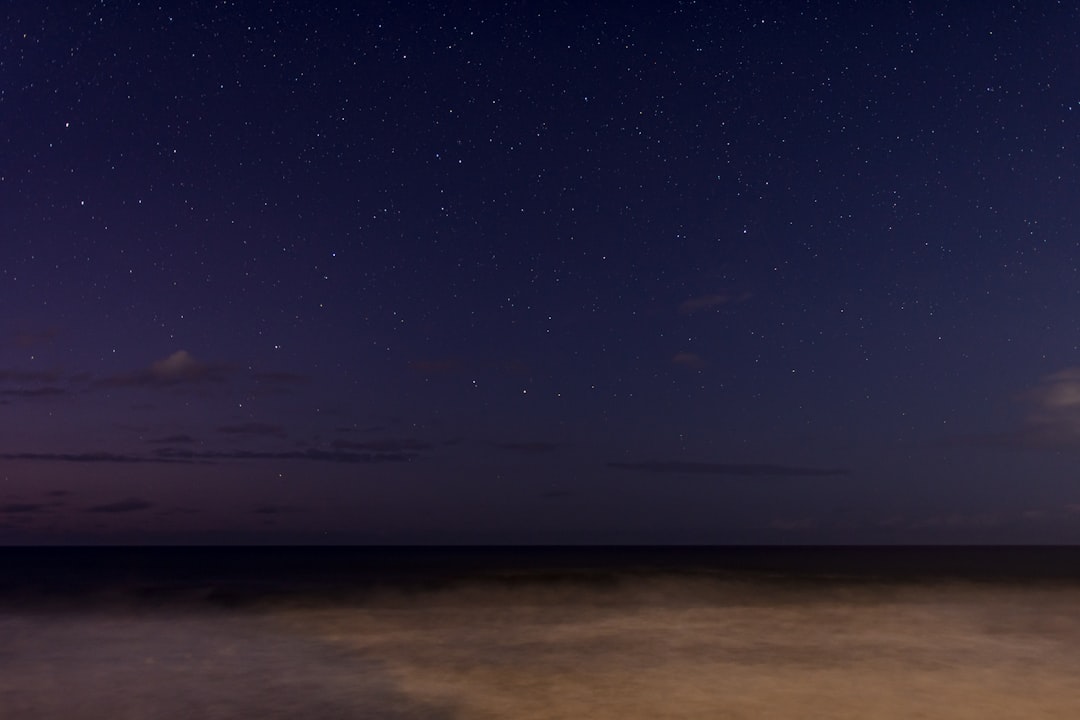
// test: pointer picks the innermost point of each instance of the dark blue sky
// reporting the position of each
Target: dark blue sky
(535, 272)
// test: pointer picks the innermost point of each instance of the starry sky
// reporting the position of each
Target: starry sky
(606, 272)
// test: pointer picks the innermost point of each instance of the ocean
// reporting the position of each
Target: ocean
(766, 632)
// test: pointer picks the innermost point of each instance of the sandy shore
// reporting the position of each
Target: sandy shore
(672, 649)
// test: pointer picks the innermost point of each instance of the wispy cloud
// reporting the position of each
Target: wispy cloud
(704, 302)
(712, 301)
(90, 457)
(794, 524)
(180, 368)
(270, 509)
(733, 469)
(29, 338)
(961, 520)
(534, 447)
(689, 360)
(29, 385)
(24, 508)
(178, 511)
(333, 456)
(387, 445)
(437, 366)
(280, 379)
(253, 428)
(29, 376)
(176, 455)
(172, 440)
(1052, 419)
(122, 506)
(37, 392)
(1054, 413)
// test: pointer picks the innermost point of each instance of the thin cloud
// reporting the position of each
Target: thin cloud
(529, 448)
(26, 339)
(732, 469)
(176, 455)
(516, 368)
(253, 428)
(172, 440)
(44, 391)
(444, 366)
(180, 368)
(183, 370)
(91, 457)
(279, 378)
(29, 376)
(171, 512)
(689, 360)
(1054, 411)
(332, 456)
(704, 302)
(24, 508)
(122, 506)
(31, 384)
(276, 509)
(269, 383)
(961, 520)
(793, 525)
(1052, 420)
(952, 521)
(390, 445)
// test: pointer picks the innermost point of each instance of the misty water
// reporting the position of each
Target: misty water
(537, 644)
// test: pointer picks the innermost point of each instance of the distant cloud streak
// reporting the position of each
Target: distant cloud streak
(276, 509)
(44, 391)
(172, 440)
(1052, 421)
(710, 302)
(180, 368)
(536, 447)
(279, 378)
(443, 366)
(29, 385)
(253, 428)
(388, 445)
(332, 456)
(23, 508)
(173, 455)
(122, 506)
(28, 376)
(92, 457)
(689, 360)
(733, 469)
(29, 339)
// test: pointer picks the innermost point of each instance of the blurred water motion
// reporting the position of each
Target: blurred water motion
(640, 644)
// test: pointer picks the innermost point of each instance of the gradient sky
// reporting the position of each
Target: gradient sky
(400, 272)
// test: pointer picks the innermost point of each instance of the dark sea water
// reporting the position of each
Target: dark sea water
(216, 633)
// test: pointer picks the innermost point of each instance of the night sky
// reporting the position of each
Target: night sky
(397, 272)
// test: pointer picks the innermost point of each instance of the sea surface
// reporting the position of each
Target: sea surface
(224, 633)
